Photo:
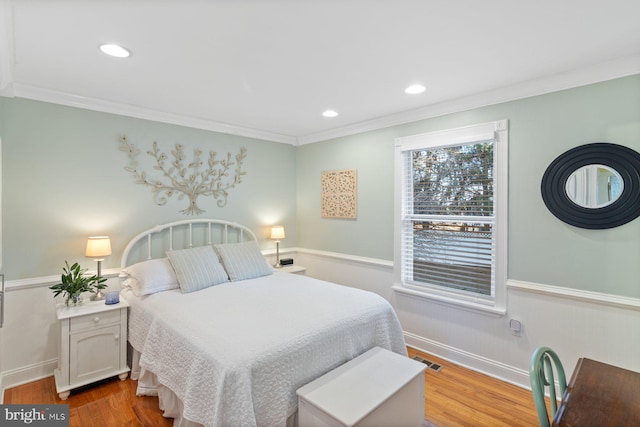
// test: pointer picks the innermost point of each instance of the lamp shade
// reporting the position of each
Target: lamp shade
(277, 232)
(98, 246)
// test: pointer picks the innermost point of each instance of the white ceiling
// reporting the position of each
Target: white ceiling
(268, 68)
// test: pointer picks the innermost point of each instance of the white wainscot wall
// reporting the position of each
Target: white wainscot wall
(364, 273)
(31, 333)
(30, 341)
(574, 323)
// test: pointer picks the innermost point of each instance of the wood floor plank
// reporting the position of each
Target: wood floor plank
(460, 397)
(454, 397)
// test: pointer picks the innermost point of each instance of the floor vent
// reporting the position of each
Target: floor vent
(430, 365)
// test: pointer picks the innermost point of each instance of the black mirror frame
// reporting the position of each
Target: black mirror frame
(625, 209)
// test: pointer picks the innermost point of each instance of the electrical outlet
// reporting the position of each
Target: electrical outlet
(516, 327)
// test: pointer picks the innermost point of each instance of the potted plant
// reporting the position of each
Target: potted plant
(73, 283)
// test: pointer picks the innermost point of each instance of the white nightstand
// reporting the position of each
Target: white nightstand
(93, 344)
(295, 269)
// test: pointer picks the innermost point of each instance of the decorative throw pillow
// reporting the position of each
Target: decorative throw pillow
(197, 268)
(243, 260)
(149, 277)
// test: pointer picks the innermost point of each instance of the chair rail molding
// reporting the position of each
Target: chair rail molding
(346, 257)
(577, 294)
(37, 282)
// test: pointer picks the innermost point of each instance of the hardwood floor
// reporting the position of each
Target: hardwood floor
(109, 403)
(459, 397)
(454, 397)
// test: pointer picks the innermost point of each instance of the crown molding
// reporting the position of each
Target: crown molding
(95, 104)
(620, 67)
(600, 72)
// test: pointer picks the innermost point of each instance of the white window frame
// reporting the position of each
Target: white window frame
(498, 132)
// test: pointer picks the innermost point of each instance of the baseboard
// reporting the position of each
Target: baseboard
(27, 374)
(468, 360)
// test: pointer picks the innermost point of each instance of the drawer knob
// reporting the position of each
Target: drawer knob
(116, 337)
(96, 319)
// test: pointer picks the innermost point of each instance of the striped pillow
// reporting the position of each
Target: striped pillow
(197, 268)
(243, 260)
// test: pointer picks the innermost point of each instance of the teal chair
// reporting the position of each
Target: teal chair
(541, 375)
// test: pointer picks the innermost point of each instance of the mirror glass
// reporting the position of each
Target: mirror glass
(594, 186)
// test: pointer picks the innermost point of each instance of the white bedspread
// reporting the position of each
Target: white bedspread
(236, 353)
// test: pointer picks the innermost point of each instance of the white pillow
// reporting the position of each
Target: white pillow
(197, 268)
(243, 260)
(151, 276)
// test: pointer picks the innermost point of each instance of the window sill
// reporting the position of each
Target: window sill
(452, 301)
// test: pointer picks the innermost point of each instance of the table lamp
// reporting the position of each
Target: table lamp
(98, 247)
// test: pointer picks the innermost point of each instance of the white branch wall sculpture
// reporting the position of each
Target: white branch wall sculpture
(193, 179)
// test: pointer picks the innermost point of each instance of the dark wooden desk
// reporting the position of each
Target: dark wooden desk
(600, 395)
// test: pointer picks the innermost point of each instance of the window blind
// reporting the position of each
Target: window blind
(448, 205)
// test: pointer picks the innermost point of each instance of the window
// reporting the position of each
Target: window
(451, 214)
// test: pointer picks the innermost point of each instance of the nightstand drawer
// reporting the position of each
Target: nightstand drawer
(94, 321)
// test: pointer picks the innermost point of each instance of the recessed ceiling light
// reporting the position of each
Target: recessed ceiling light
(415, 89)
(330, 113)
(115, 50)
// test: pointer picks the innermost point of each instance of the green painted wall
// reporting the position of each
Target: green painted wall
(64, 180)
(541, 248)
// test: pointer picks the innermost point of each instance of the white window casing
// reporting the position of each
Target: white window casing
(453, 251)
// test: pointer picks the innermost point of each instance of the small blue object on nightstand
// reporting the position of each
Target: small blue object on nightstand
(112, 297)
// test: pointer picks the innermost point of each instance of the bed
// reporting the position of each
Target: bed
(234, 353)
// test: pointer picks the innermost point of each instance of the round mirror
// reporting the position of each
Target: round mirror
(594, 186)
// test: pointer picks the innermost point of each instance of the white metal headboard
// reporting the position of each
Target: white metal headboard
(227, 232)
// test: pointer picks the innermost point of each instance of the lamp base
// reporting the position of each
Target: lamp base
(277, 264)
(98, 296)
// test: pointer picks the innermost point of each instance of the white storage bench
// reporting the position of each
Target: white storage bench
(378, 388)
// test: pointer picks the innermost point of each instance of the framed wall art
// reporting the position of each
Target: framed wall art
(339, 194)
